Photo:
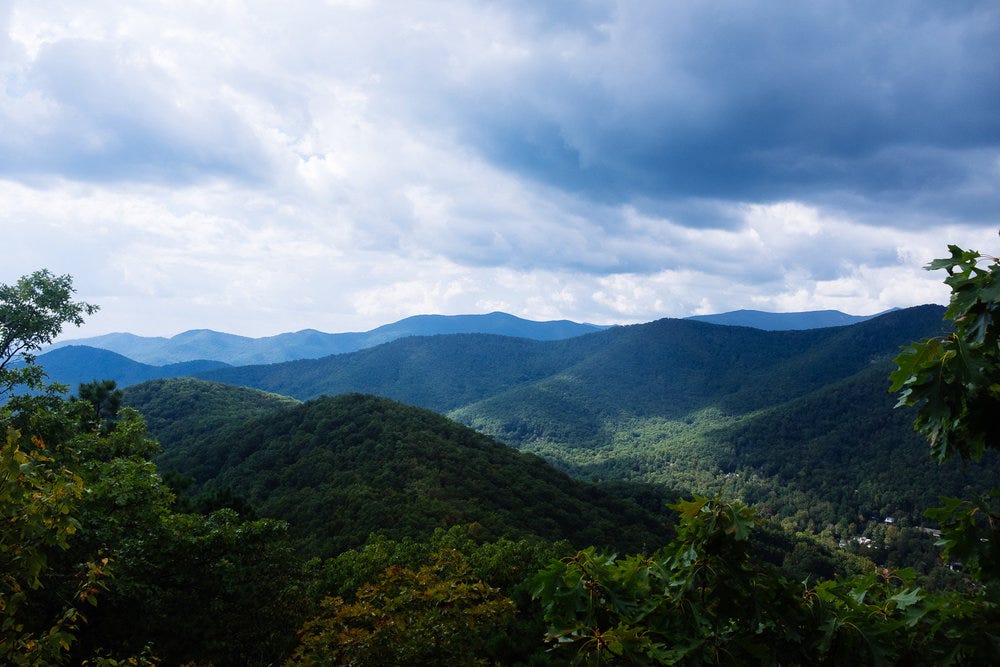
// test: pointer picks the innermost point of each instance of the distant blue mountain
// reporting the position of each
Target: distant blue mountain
(758, 319)
(154, 356)
(73, 364)
(312, 344)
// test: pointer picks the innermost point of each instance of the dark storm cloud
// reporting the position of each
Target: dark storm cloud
(759, 102)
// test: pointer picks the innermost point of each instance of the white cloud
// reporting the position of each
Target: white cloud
(259, 168)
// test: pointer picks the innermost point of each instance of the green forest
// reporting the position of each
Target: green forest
(670, 493)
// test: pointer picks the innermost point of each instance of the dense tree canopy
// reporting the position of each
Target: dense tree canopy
(94, 564)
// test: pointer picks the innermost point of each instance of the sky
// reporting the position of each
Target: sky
(262, 167)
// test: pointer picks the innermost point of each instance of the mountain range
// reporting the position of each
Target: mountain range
(498, 456)
(201, 344)
(668, 367)
(800, 420)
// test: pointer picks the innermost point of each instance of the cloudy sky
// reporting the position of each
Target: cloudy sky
(260, 167)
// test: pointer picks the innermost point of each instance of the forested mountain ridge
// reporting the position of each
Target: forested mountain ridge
(692, 405)
(671, 401)
(184, 412)
(311, 344)
(800, 422)
(205, 344)
(74, 364)
(673, 365)
(339, 468)
(437, 372)
(670, 368)
(680, 371)
(198, 344)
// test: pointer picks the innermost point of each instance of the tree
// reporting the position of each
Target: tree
(33, 312)
(954, 383)
(84, 516)
(39, 495)
(439, 614)
(701, 599)
(102, 401)
(706, 598)
(202, 589)
(38, 503)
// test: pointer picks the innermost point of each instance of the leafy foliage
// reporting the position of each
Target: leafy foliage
(503, 564)
(208, 589)
(32, 313)
(972, 533)
(700, 599)
(39, 501)
(439, 614)
(704, 599)
(90, 520)
(101, 401)
(86, 523)
(955, 381)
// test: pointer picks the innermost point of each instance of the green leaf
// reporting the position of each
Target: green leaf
(907, 598)
(688, 509)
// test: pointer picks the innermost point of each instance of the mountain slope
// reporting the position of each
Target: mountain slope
(183, 412)
(437, 372)
(74, 364)
(848, 444)
(312, 344)
(797, 420)
(340, 468)
(667, 367)
(670, 401)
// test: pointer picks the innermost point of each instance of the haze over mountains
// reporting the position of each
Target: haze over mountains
(73, 364)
